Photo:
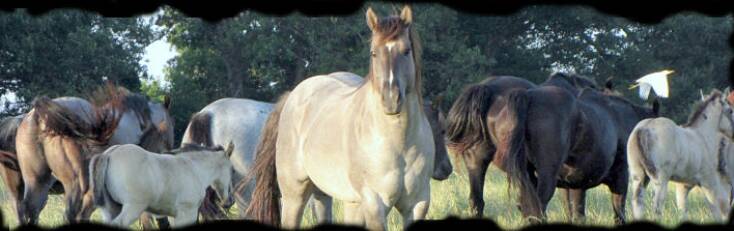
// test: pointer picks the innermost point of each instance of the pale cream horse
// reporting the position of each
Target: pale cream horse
(127, 180)
(366, 142)
(688, 155)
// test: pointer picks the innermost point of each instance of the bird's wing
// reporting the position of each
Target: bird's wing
(660, 85)
(644, 90)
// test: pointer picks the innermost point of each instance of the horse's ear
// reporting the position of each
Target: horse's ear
(167, 102)
(372, 19)
(656, 106)
(406, 15)
(230, 149)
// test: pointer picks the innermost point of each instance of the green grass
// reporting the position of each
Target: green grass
(450, 198)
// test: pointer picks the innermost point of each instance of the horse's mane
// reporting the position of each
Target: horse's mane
(700, 107)
(388, 29)
(189, 147)
(572, 78)
(135, 102)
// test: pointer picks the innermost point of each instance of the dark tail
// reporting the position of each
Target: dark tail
(98, 172)
(200, 129)
(265, 206)
(466, 121)
(513, 154)
(61, 121)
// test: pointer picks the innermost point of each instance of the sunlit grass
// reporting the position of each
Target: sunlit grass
(450, 198)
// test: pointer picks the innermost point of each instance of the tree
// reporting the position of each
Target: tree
(68, 52)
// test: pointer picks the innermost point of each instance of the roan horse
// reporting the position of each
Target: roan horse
(694, 154)
(363, 141)
(127, 180)
(59, 136)
(485, 118)
(241, 120)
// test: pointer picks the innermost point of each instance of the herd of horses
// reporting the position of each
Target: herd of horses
(373, 143)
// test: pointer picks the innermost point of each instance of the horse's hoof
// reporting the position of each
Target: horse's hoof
(533, 220)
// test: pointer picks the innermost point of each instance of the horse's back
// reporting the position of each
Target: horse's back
(240, 121)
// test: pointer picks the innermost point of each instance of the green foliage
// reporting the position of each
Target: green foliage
(68, 52)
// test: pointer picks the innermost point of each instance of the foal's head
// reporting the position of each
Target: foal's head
(441, 164)
(223, 181)
(714, 109)
(394, 64)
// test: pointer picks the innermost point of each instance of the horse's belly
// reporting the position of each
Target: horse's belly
(331, 176)
(573, 177)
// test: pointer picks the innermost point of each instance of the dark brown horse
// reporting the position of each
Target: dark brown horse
(59, 136)
(560, 139)
(481, 124)
(473, 125)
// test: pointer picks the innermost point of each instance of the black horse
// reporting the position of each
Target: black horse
(564, 133)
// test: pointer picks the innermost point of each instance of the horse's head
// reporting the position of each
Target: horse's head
(441, 164)
(222, 184)
(160, 115)
(394, 64)
(714, 110)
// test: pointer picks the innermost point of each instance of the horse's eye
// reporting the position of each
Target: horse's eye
(406, 52)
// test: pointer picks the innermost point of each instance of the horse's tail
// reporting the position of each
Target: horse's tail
(264, 205)
(98, 171)
(513, 153)
(59, 120)
(199, 130)
(466, 121)
(639, 146)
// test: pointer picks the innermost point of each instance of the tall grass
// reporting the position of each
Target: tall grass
(450, 198)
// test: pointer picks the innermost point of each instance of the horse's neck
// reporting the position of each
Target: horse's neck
(707, 128)
(205, 166)
(398, 126)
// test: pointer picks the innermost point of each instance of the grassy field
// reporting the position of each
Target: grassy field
(450, 198)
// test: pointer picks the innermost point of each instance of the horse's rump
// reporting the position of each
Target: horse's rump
(201, 129)
(98, 171)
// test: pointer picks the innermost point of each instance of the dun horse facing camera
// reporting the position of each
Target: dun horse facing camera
(366, 142)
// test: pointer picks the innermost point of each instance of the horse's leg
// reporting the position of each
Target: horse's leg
(185, 217)
(109, 211)
(294, 195)
(14, 187)
(128, 215)
(618, 182)
(352, 214)
(37, 180)
(637, 187)
(373, 210)
(563, 193)
(578, 204)
(321, 206)
(413, 210)
(477, 164)
(716, 196)
(681, 195)
(660, 186)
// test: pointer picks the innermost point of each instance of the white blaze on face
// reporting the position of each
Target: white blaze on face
(389, 46)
